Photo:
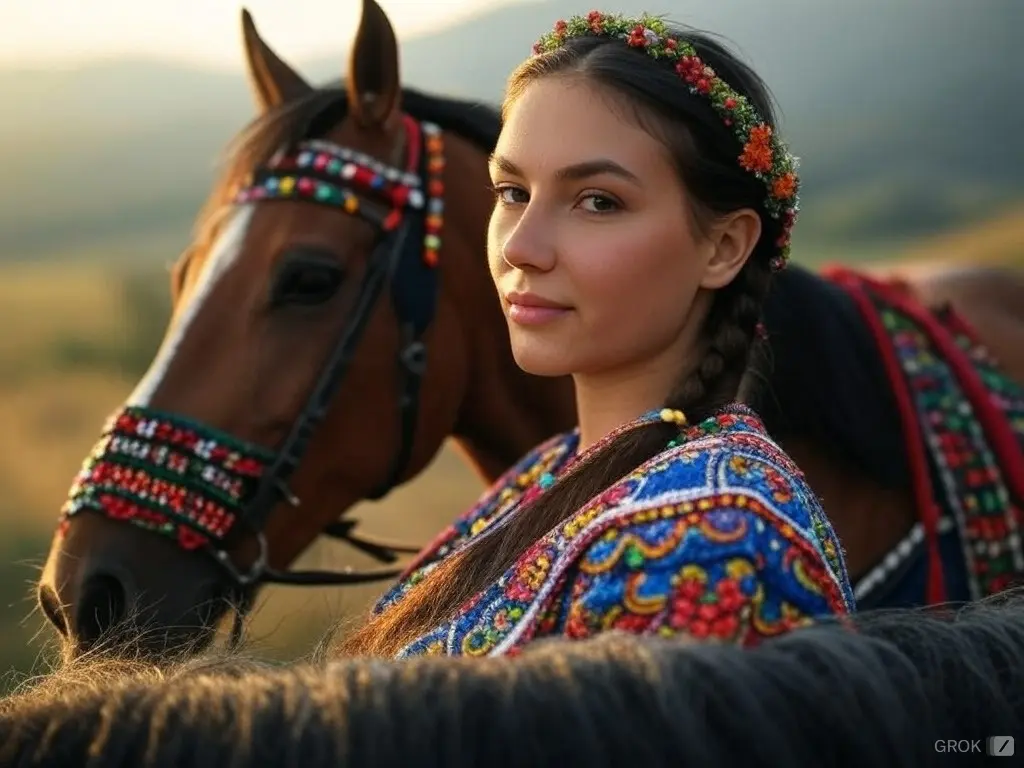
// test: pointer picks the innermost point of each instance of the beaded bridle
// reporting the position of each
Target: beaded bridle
(201, 486)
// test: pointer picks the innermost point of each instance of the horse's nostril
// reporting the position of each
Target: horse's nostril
(52, 609)
(101, 608)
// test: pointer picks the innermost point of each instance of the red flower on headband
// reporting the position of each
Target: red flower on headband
(637, 38)
(690, 68)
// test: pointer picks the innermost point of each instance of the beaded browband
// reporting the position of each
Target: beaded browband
(322, 172)
(764, 154)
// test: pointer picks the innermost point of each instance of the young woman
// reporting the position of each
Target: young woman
(642, 201)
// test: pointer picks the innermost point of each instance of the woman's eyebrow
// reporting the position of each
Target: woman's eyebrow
(574, 172)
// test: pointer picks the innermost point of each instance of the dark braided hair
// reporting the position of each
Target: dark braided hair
(705, 154)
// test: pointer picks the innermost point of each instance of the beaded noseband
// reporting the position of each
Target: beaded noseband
(201, 486)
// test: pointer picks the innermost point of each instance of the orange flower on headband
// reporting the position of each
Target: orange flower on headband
(762, 153)
(757, 153)
(784, 187)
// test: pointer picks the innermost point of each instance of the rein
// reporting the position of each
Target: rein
(205, 488)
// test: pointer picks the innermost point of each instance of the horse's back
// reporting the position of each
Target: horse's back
(914, 382)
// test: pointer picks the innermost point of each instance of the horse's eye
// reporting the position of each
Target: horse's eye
(306, 283)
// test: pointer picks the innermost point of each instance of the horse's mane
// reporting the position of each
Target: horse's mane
(878, 692)
(826, 380)
(312, 115)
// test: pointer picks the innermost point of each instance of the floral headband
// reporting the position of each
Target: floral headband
(764, 155)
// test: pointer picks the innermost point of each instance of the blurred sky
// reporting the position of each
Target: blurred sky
(56, 33)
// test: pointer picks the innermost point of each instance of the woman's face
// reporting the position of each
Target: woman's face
(591, 243)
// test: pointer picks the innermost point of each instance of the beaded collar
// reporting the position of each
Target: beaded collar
(687, 432)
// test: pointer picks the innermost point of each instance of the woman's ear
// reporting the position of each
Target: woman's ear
(733, 239)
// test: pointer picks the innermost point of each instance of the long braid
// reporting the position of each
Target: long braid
(731, 329)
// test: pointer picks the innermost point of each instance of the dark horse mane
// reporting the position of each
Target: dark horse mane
(824, 380)
(879, 689)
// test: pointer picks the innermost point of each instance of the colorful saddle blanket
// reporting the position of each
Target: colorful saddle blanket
(962, 424)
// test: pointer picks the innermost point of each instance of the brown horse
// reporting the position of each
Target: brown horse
(287, 389)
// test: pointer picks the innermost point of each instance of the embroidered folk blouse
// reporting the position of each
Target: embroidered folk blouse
(717, 537)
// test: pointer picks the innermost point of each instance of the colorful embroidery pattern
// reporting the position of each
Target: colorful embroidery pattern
(506, 493)
(1007, 395)
(719, 538)
(975, 490)
(966, 418)
(700, 573)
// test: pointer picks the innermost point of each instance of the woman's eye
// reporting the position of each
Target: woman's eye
(599, 204)
(511, 195)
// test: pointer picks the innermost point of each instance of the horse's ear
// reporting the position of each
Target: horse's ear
(374, 91)
(273, 82)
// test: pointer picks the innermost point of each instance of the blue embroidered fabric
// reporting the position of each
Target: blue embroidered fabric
(717, 537)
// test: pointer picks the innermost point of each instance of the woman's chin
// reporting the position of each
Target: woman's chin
(541, 359)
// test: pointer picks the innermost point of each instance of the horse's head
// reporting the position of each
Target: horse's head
(294, 378)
